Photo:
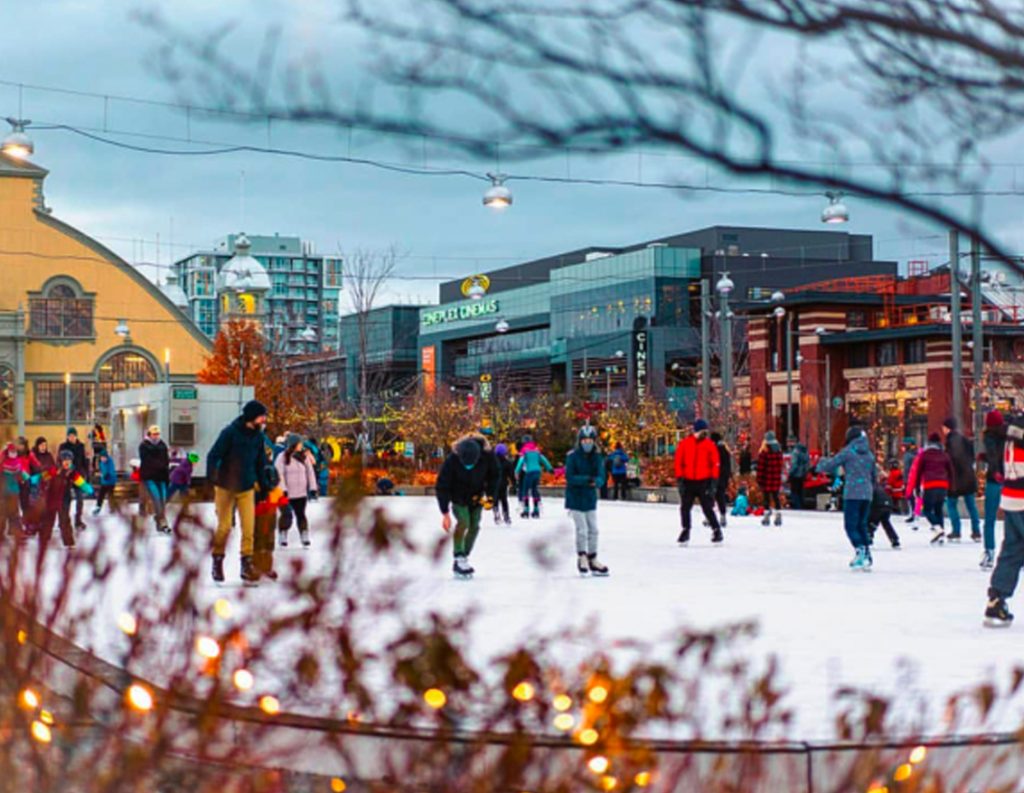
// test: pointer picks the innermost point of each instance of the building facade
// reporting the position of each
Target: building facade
(77, 322)
(304, 294)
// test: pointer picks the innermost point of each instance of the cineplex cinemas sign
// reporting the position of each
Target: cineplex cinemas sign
(473, 310)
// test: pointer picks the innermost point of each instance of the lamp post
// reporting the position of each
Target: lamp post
(67, 399)
(705, 356)
(724, 288)
(167, 364)
(608, 380)
(780, 314)
(954, 323)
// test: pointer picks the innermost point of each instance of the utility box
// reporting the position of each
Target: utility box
(190, 418)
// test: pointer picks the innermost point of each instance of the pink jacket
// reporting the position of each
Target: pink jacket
(297, 477)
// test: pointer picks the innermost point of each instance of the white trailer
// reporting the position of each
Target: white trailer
(189, 416)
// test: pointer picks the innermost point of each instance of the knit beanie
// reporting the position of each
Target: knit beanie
(853, 433)
(72, 431)
(993, 419)
(700, 425)
(291, 439)
(253, 410)
(951, 423)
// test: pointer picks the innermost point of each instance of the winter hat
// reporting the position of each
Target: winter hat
(769, 437)
(501, 450)
(908, 441)
(72, 431)
(527, 439)
(716, 437)
(253, 410)
(291, 439)
(935, 438)
(700, 425)
(993, 419)
(10, 447)
(951, 423)
(68, 455)
(468, 451)
(853, 433)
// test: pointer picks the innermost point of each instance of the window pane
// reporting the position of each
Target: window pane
(6, 394)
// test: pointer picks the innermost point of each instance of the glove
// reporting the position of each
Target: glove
(998, 478)
(87, 489)
(487, 502)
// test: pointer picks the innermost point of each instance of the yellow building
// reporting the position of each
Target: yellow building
(75, 319)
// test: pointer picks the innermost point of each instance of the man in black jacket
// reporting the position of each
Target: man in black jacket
(81, 464)
(965, 484)
(465, 486)
(155, 475)
(235, 465)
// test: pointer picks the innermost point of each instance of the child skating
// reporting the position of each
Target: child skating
(531, 461)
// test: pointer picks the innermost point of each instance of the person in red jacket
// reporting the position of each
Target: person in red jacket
(769, 477)
(697, 467)
(932, 472)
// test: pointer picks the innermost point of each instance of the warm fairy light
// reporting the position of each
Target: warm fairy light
(28, 699)
(126, 622)
(523, 692)
(41, 732)
(598, 764)
(139, 697)
(608, 783)
(918, 755)
(435, 698)
(588, 737)
(222, 608)
(878, 787)
(22, 637)
(562, 702)
(642, 779)
(46, 717)
(270, 705)
(903, 772)
(207, 647)
(354, 715)
(243, 679)
(598, 694)
(338, 785)
(564, 722)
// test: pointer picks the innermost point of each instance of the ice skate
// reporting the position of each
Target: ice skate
(249, 574)
(912, 520)
(164, 529)
(526, 512)
(497, 518)
(767, 519)
(987, 560)
(218, 568)
(997, 615)
(896, 546)
(596, 568)
(96, 511)
(461, 568)
(582, 565)
(282, 537)
(304, 536)
(536, 510)
(938, 535)
(722, 521)
(684, 537)
(953, 537)
(717, 537)
(861, 562)
(778, 518)
(508, 520)
(976, 537)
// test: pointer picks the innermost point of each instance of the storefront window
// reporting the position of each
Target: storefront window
(62, 311)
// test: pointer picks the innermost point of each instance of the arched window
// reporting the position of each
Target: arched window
(62, 310)
(122, 370)
(6, 393)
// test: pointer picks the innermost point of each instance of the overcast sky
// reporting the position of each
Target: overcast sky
(129, 200)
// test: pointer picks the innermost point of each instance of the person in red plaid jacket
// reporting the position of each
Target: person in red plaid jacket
(769, 477)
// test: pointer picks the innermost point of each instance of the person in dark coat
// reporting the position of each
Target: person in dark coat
(64, 479)
(746, 459)
(154, 475)
(724, 476)
(965, 481)
(799, 467)
(466, 485)
(234, 465)
(108, 479)
(584, 475)
(880, 514)
(994, 445)
(618, 464)
(769, 477)
(506, 479)
(81, 463)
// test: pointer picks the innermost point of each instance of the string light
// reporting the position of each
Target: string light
(642, 779)
(435, 698)
(270, 705)
(139, 697)
(609, 783)
(126, 622)
(338, 785)
(223, 609)
(22, 637)
(207, 647)
(564, 722)
(588, 737)
(903, 773)
(41, 732)
(598, 764)
(918, 754)
(523, 692)
(243, 680)
(562, 702)
(598, 694)
(29, 699)
(46, 717)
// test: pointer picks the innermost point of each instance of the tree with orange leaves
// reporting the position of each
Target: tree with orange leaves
(240, 351)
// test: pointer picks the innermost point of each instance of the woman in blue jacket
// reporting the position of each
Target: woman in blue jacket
(584, 475)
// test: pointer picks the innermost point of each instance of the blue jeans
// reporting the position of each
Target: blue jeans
(993, 490)
(954, 514)
(530, 488)
(855, 521)
(1011, 556)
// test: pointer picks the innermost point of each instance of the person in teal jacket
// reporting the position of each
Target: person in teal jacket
(584, 476)
(530, 463)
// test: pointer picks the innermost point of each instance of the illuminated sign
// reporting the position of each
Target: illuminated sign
(641, 352)
(478, 308)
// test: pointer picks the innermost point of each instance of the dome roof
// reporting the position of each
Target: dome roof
(243, 273)
(174, 292)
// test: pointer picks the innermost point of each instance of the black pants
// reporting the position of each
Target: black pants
(721, 497)
(885, 522)
(772, 498)
(298, 506)
(933, 502)
(1011, 556)
(103, 494)
(796, 492)
(620, 490)
(501, 504)
(691, 490)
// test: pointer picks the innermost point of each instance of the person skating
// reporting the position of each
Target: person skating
(81, 462)
(910, 453)
(1011, 554)
(154, 475)
(799, 467)
(932, 473)
(506, 479)
(98, 441)
(964, 483)
(618, 462)
(108, 479)
(58, 492)
(42, 465)
(859, 475)
(182, 467)
(465, 484)
(298, 479)
(994, 441)
(268, 499)
(880, 514)
(530, 462)
(584, 475)
(724, 477)
(769, 477)
(697, 469)
(14, 469)
(234, 466)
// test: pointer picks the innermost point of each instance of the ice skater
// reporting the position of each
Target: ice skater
(881, 514)
(860, 472)
(1011, 554)
(530, 463)
(506, 479)
(724, 477)
(995, 448)
(769, 477)
(932, 473)
(964, 482)
(697, 469)
(584, 476)
(465, 485)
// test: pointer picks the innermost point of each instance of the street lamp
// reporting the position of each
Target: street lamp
(167, 364)
(123, 331)
(835, 211)
(608, 379)
(502, 326)
(18, 144)
(724, 288)
(780, 314)
(497, 196)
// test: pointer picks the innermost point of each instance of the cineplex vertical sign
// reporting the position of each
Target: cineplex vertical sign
(641, 356)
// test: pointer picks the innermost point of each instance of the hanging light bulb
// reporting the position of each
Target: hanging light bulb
(18, 144)
(122, 329)
(835, 211)
(497, 196)
(725, 285)
(502, 326)
(476, 290)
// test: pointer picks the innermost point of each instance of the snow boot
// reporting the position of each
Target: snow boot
(582, 565)
(536, 509)
(987, 560)
(218, 568)
(684, 537)
(997, 615)
(717, 537)
(767, 519)
(938, 535)
(249, 574)
(596, 568)
(282, 537)
(778, 518)
(304, 536)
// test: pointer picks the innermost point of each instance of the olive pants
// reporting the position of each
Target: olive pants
(467, 527)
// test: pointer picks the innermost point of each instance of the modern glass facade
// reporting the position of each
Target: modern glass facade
(390, 353)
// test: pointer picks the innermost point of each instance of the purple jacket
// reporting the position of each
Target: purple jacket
(181, 474)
